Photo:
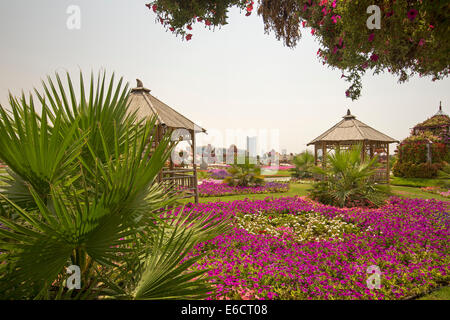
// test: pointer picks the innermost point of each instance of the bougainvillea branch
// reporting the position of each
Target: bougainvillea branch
(412, 38)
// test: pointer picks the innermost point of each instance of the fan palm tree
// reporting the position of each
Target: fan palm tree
(82, 190)
(347, 178)
(304, 162)
(244, 174)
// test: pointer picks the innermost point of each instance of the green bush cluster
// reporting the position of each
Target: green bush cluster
(416, 170)
(412, 156)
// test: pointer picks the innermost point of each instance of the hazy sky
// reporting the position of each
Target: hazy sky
(233, 78)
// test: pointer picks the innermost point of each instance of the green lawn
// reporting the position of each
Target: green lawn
(411, 192)
(416, 182)
(302, 190)
(440, 294)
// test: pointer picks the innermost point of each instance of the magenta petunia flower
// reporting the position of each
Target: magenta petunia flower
(421, 42)
(374, 57)
(371, 37)
(412, 14)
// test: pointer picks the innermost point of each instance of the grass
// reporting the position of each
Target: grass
(416, 182)
(411, 192)
(280, 173)
(440, 294)
(302, 190)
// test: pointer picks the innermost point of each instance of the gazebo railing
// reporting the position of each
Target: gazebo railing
(179, 180)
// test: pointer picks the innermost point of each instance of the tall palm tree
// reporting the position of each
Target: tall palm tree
(81, 190)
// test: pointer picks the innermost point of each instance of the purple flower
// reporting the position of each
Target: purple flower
(412, 14)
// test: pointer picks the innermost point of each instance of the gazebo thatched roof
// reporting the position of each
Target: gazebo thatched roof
(351, 129)
(146, 106)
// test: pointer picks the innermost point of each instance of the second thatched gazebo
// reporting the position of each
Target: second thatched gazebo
(147, 106)
(349, 132)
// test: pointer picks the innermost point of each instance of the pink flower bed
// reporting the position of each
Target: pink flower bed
(437, 190)
(210, 188)
(408, 240)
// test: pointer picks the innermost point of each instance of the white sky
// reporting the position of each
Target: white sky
(233, 78)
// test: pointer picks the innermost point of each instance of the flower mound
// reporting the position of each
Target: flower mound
(322, 252)
(211, 189)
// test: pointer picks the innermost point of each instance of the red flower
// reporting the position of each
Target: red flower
(199, 19)
(189, 27)
(207, 22)
(172, 29)
(154, 7)
(188, 37)
(374, 57)
(371, 37)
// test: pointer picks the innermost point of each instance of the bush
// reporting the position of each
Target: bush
(244, 175)
(304, 163)
(412, 156)
(218, 174)
(347, 181)
(416, 170)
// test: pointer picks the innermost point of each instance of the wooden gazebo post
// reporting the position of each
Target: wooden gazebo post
(324, 154)
(194, 165)
(388, 171)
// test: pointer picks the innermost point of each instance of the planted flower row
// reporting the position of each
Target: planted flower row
(210, 188)
(292, 248)
(437, 190)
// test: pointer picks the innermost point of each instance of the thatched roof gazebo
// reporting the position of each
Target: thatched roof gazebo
(349, 132)
(147, 106)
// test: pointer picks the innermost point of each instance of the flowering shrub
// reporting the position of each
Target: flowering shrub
(212, 189)
(317, 256)
(412, 39)
(218, 174)
(413, 170)
(412, 156)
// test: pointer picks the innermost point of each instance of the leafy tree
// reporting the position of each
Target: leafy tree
(412, 39)
(346, 181)
(304, 162)
(81, 190)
